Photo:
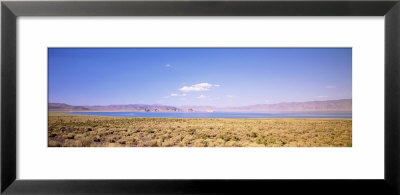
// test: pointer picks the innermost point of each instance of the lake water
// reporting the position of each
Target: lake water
(221, 114)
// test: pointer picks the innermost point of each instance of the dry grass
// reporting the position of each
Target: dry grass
(91, 131)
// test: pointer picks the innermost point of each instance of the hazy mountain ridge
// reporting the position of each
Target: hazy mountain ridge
(121, 107)
(136, 107)
(65, 107)
(329, 105)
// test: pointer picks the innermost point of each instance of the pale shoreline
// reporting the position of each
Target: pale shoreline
(71, 114)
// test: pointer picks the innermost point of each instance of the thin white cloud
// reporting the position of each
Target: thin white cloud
(177, 95)
(217, 85)
(168, 65)
(230, 96)
(330, 87)
(202, 97)
(198, 87)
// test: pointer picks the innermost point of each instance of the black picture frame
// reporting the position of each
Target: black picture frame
(11, 10)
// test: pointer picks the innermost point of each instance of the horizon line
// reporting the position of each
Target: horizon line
(204, 105)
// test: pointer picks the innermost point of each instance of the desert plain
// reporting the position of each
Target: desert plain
(67, 130)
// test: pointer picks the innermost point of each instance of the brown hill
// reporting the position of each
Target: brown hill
(329, 105)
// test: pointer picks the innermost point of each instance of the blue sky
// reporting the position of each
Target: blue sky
(202, 76)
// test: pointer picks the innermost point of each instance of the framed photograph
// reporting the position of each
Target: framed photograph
(199, 97)
(208, 97)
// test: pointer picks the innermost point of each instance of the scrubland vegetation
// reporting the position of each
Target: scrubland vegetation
(98, 131)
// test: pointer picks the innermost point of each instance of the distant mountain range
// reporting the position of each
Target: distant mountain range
(122, 107)
(65, 107)
(329, 105)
